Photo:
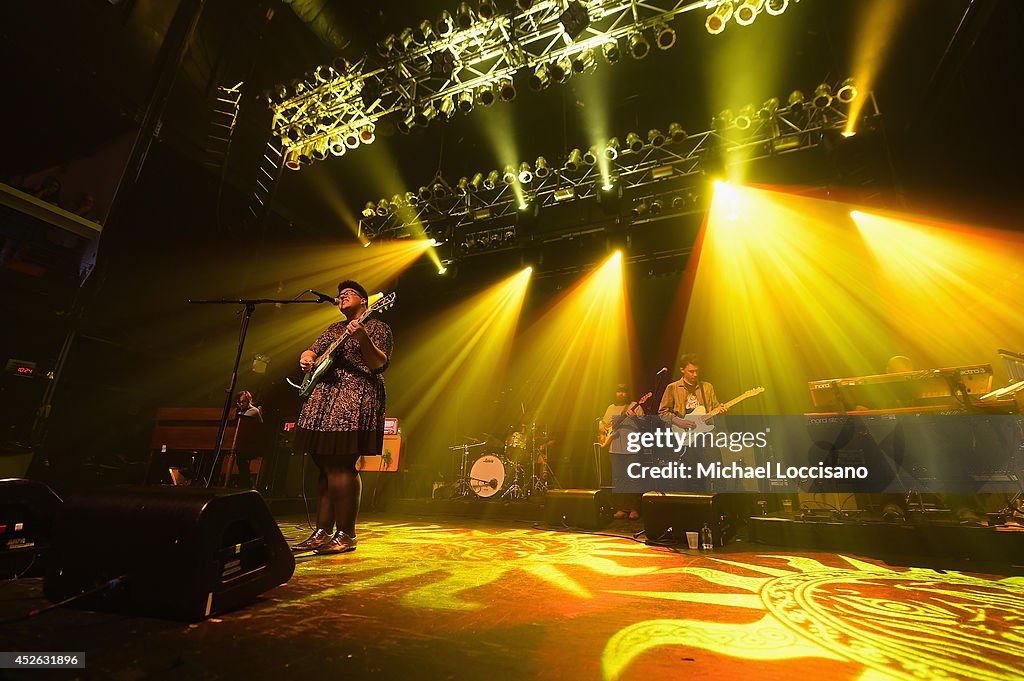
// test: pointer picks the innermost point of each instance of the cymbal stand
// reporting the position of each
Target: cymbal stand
(463, 488)
(538, 483)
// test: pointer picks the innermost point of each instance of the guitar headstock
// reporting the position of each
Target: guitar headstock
(382, 303)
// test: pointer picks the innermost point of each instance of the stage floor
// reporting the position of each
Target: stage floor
(461, 599)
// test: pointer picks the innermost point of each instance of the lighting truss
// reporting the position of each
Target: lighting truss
(419, 81)
(661, 159)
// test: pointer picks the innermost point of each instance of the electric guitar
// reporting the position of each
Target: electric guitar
(325, 362)
(608, 429)
(701, 418)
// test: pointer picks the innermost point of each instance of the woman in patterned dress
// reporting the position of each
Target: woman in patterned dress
(343, 418)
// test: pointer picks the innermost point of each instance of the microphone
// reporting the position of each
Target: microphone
(663, 370)
(323, 297)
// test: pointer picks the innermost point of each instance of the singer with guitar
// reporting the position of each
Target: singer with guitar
(683, 397)
(343, 417)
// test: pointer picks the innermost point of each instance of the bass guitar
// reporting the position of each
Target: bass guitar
(325, 362)
(702, 418)
(608, 429)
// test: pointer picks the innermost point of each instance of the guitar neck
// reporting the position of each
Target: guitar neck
(343, 337)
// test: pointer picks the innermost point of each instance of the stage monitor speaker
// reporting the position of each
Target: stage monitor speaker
(668, 517)
(589, 509)
(176, 552)
(28, 510)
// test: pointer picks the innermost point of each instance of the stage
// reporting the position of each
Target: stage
(456, 598)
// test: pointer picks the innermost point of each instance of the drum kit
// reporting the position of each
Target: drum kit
(516, 470)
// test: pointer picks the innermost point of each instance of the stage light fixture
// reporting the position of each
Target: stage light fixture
(444, 24)
(462, 187)
(822, 96)
(509, 176)
(716, 21)
(485, 9)
(447, 108)
(337, 146)
(423, 193)
(747, 11)
(425, 114)
(722, 120)
(590, 155)
(768, 109)
(776, 7)
(611, 150)
(506, 90)
(561, 69)
(386, 47)
(638, 46)
(610, 50)
(291, 160)
(367, 134)
(541, 167)
(383, 207)
(308, 129)
(525, 173)
(413, 198)
(278, 94)
(485, 95)
(464, 16)
(676, 133)
(609, 195)
(655, 207)
(540, 78)
(634, 143)
(439, 191)
(351, 139)
(423, 32)
(639, 210)
(319, 150)
(292, 134)
(847, 91)
(509, 235)
(574, 19)
(572, 162)
(664, 36)
(323, 74)
(524, 5)
(405, 41)
(369, 210)
(397, 201)
(565, 193)
(464, 101)
(745, 117)
(655, 138)
(796, 101)
(584, 61)
(491, 181)
(477, 183)
(406, 123)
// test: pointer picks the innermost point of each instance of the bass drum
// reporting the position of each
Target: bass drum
(487, 476)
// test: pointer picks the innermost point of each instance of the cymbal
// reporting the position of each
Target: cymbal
(546, 444)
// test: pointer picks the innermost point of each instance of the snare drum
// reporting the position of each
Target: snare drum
(487, 476)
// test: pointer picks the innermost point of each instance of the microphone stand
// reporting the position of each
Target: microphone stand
(250, 307)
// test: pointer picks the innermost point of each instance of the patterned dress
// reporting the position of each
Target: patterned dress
(345, 413)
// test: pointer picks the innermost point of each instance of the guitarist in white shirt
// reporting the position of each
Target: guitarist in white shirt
(685, 396)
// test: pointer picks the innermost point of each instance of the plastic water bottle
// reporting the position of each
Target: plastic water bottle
(707, 540)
